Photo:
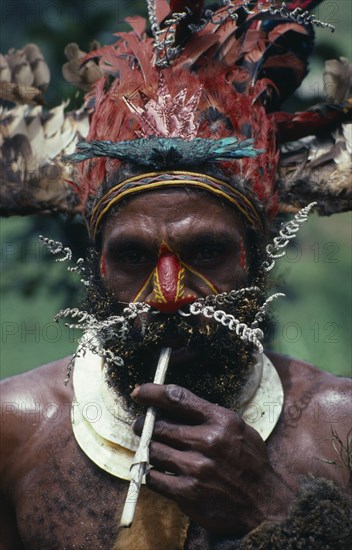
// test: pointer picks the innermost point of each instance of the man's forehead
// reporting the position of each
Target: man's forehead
(176, 211)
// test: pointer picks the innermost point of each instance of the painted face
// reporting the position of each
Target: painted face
(168, 248)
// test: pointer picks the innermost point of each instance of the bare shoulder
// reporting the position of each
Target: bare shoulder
(300, 378)
(24, 398)
(326, 396)
(317, 418)
(37, 383)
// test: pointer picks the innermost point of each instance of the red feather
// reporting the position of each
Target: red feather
(137, 23)
(220, 79)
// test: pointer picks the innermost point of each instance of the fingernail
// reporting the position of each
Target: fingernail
(135, 392)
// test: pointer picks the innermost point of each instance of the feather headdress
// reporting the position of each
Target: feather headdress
(204, 89)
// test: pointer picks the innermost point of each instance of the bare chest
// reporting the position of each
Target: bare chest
(64, 501)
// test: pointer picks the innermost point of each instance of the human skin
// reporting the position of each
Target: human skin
(228, 480)
(198, 228)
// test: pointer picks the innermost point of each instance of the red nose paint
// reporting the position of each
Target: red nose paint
(168, 287)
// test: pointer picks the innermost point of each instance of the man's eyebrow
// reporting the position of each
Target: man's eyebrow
(211, 238)
(121, 242)
(196, 239)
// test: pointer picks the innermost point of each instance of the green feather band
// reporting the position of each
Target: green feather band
(158, 153)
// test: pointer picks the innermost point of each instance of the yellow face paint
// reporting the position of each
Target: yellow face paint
(167, 279)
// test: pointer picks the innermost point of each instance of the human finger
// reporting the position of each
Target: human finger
(165, 459)
(182, 463)
(179, 436)
(179, 402)
(167, 484)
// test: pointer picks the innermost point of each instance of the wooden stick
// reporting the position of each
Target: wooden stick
(141, 458)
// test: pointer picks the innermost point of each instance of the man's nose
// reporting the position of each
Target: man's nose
(169, 292)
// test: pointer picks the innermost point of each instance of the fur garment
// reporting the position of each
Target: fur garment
(320, 519)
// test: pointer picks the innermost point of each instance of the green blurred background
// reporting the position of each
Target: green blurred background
(313, 321)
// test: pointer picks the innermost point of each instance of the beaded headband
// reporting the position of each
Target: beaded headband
(176, 179)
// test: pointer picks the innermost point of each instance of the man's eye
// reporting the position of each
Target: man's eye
(208, 253)
(133, 257)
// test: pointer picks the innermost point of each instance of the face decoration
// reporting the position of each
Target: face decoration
(168, 294)
(103, 265)
(169, 261)
(243, 259)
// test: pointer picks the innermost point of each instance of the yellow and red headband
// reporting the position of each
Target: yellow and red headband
(176, 179)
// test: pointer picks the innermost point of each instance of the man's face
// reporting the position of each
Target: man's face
(197, 228)
(208, 239)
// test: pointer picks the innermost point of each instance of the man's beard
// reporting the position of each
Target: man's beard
(220, 361)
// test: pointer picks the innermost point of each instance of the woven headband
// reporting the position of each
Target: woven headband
(157, 180)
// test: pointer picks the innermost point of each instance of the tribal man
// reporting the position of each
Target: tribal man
(177, 180)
